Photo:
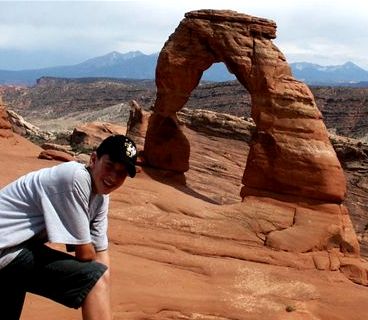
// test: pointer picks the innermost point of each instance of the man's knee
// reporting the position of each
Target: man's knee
(102, 284)
(104, 279)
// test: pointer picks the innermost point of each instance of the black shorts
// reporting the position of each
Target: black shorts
(47, 272)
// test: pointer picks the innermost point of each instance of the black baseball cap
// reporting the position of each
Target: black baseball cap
(120, 149)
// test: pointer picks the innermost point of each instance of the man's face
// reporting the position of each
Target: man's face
(107, 175)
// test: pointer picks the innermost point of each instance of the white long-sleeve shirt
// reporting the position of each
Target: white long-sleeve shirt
(56, 201)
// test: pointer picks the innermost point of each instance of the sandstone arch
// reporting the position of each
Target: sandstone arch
(290, 152)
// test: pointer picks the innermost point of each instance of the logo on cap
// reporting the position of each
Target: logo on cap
(130, 149)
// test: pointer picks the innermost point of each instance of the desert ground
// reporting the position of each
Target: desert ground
(186, 250)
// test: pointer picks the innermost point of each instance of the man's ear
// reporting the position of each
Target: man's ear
(93, 159)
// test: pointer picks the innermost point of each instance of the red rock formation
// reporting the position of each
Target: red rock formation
(5, 126)
(53, 146)
(55, 155)
(290, 152)
(137, 124)
(90, 135)
(179, 254)
(26, 129)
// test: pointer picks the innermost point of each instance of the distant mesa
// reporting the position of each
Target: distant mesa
(137, 65)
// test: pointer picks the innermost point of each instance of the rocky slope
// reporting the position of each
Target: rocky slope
(345, 110)
(341, 107)
(52, 101)
(59, 104)
(352, 153)
(193, 251)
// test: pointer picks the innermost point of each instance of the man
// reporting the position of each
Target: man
(67, 204)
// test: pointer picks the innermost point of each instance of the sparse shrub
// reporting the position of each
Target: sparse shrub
(290, 308)
(62, 137)
(36, 139)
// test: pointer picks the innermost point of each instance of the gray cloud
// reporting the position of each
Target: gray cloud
(325, 32)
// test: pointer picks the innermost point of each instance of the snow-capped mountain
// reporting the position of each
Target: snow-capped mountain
(333, 75)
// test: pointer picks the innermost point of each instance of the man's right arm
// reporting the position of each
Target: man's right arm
(85, 252)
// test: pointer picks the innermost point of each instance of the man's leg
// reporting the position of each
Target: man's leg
(73, 283)
(13, 278)
(11, 302)
(96, 305)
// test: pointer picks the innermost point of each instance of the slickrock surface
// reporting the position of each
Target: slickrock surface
(180, 252)
(176, 254)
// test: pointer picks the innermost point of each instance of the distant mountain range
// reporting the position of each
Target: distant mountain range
(136, 65)
(346, 74)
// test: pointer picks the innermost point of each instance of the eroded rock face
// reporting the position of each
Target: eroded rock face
(137, 124)
(167, 147)
(5, 126)
(26, 129)
(290, 151)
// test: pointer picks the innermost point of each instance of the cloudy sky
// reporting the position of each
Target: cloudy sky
(48, 33)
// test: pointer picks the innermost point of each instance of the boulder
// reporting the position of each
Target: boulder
(53, 146)
(88, 136)
(55, 155)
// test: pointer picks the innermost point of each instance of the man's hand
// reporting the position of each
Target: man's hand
(85, 252)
